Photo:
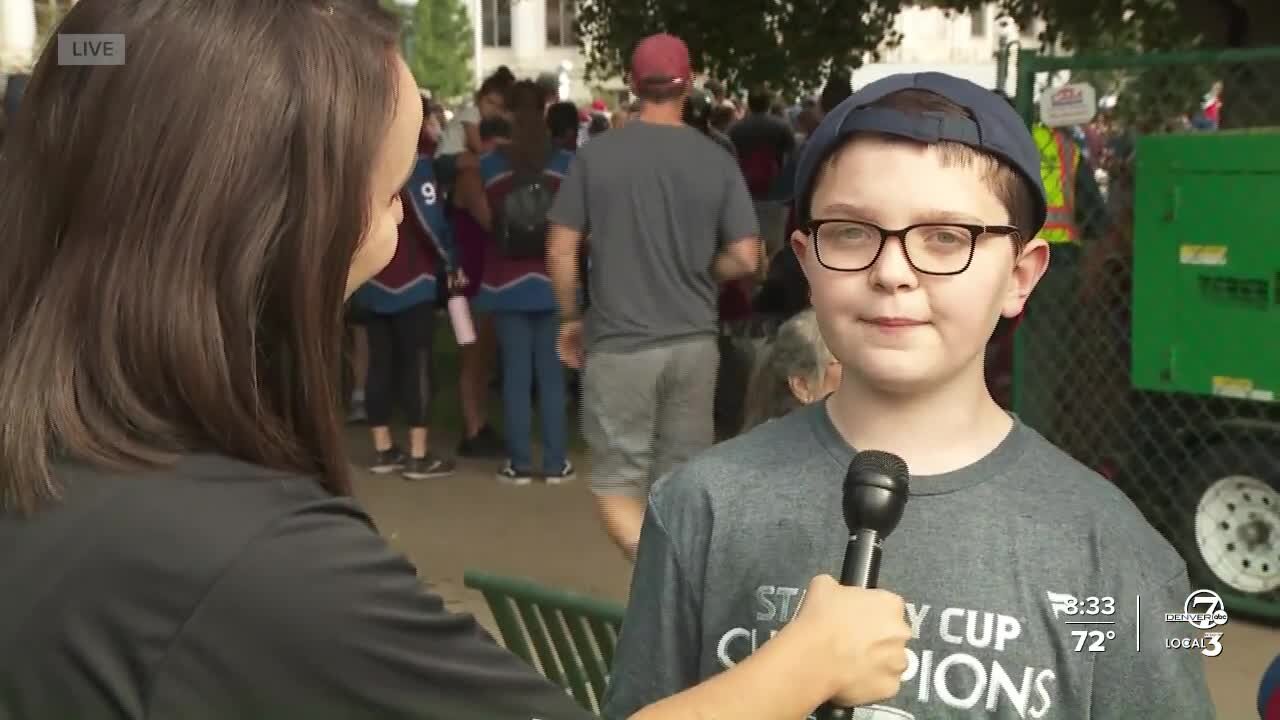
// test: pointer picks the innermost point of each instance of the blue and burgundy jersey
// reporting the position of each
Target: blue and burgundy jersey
(515, 285)
(425, 243)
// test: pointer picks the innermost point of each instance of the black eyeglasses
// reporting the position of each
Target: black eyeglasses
(930, 248)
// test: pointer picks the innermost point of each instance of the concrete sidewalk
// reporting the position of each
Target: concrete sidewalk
(550, 534)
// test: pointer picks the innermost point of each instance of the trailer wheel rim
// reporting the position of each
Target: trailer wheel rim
(1238, 533)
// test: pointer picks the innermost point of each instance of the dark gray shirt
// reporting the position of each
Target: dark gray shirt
(219, 589)
(658, 202)
(982, 556)
(723, 141)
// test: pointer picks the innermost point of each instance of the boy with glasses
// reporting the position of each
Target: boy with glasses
(919, 199)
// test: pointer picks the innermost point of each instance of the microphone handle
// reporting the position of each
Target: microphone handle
(861, 560)
(861, 569)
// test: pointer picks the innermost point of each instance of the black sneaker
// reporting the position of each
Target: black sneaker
(566, 474)
(387, 461)
(484, 444)
(510, 476)
(424, 468)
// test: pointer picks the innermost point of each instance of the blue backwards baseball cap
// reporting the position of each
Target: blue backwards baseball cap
(996, 129)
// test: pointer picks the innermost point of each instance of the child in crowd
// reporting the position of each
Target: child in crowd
(919, 201)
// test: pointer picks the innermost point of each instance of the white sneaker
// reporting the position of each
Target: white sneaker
(566, 474)
(510, 476)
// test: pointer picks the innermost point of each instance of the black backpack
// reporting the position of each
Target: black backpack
(520, 223)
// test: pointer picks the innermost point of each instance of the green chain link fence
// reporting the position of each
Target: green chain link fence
(1204, 469)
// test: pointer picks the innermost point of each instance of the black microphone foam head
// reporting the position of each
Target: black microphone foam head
(875, 491)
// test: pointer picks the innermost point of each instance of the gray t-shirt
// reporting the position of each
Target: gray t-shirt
(732, 538)
(658, 201)
(217, 589)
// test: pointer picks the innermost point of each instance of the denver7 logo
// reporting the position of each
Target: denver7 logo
(1214, 613)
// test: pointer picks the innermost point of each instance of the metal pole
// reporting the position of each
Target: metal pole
(475, 13)
(1002, 64)
(1025, 100)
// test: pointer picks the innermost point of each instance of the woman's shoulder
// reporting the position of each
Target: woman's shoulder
(236, 533)
(212, 506)
(205, 507)
(121, 547)
(320, 614)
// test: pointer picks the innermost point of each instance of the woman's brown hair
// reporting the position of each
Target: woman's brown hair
(178, 231)
(530, 145)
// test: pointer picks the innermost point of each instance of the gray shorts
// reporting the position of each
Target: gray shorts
(645, 412)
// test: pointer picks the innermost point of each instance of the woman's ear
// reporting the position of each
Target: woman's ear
(800, 389)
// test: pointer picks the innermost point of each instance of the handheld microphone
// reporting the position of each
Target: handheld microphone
(875, 494)
(1269, 692)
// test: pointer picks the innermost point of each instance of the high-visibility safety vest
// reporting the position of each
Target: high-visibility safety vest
(1059, 161)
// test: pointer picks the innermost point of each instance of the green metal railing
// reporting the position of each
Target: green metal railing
(570, 638)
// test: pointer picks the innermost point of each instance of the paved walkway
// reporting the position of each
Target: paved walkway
(551, 534)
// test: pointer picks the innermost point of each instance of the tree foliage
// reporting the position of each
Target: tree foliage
(441, 48)
(1148, 25)
(787, 43)
(793, 44)
(1151, 97)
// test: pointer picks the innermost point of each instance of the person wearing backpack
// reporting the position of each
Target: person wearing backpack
(510, 195)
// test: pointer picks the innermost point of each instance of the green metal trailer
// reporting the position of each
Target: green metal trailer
(1206, 336)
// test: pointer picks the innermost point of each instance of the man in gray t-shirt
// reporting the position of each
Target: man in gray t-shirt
(732, 538)
(669, 218)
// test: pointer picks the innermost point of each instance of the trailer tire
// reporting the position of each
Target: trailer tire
(1231, 517)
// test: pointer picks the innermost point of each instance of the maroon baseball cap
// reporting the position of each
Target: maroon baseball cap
(660, 59)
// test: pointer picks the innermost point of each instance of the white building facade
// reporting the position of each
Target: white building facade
(17, 35)
(531, 37)
(965, 44)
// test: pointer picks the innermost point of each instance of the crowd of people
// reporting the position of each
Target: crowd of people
(484, 176)
(486, 201)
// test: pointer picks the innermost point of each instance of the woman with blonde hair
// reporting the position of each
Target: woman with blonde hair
(795, 369)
